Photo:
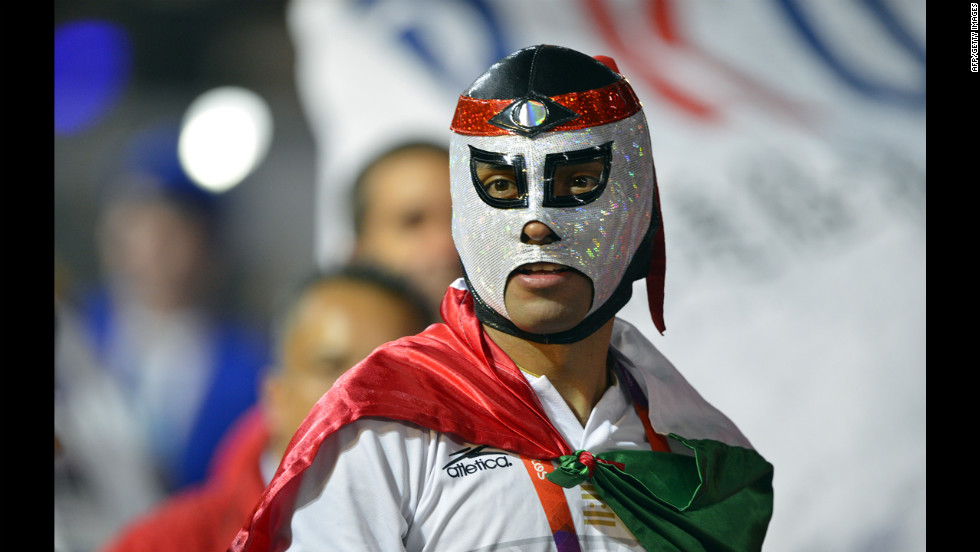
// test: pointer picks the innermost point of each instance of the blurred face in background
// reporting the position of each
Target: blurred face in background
(154, 251)
(334, 326)
(406, 226)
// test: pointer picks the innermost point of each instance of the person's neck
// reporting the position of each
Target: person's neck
(577, 370)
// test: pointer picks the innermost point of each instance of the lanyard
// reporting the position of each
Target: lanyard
(555, 506)
(552, 496)
(658, 443)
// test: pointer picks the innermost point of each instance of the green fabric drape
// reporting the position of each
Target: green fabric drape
(718, 500)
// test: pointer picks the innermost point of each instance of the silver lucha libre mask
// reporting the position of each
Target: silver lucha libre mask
(552, 135)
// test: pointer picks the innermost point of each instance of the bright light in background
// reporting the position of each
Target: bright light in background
(226, 133)
(92, 65)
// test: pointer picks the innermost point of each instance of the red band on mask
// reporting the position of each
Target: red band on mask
(594, 107)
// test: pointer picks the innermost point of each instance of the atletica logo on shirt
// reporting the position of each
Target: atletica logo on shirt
(471, 460)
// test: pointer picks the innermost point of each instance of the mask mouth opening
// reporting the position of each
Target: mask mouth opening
(547, 297)
(638, 268)
(547, 277)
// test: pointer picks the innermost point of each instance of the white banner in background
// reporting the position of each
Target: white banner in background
(789, 137)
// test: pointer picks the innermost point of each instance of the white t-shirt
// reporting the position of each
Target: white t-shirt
(396, 486)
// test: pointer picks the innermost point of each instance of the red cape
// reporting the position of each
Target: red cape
(450, 378)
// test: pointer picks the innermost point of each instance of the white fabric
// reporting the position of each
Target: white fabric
(397, 494)
(103, 474)
(386, 485)
(164, 364)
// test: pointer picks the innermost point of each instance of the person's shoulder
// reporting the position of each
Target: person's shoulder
(628, 341)
(681, 410)
(242, 443)
(387, 429)
(437, 338)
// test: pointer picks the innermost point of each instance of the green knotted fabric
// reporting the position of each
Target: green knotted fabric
(718, 500)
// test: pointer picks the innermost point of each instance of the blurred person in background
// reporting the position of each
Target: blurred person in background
(402, 213)
(329, 323)
(158, 324)
(102, 473)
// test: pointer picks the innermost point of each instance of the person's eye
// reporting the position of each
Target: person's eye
(498, 181)
(582, 184)
(577, 178)
(411, 220)
(501, 188)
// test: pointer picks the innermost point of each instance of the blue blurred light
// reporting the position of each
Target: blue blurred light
(92, 63)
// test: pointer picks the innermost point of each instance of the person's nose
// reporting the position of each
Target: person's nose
(538, 233)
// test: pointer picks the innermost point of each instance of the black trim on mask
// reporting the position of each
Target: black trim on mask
(638, 268)
(601, 152)
(555, 114)
(508, 160)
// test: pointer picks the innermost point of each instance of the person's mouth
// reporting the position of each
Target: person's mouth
(542, 275)
(541, 268)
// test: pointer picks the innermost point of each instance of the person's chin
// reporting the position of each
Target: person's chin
(543, 325)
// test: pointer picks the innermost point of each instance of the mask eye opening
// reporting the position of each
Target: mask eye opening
(554, 161)
(509, 164)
